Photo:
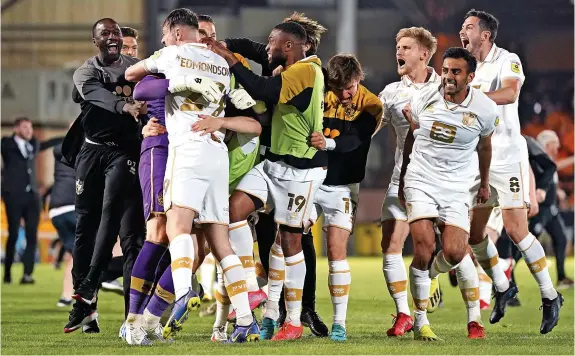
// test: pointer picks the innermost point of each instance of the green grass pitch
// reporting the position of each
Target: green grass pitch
(32, 324)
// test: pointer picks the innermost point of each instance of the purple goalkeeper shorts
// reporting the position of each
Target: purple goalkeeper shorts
(151, 171)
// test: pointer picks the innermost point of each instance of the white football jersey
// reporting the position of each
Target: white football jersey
(507, 140)
(394, 98)
(182, 109)
(447, 138)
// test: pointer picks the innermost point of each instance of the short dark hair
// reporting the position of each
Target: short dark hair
(99, 22)
(487, 22)
(206, 18)
(181, 16)
(20, 120)
(459, 52)
(293, 28)
(129, 32)
(342, 69)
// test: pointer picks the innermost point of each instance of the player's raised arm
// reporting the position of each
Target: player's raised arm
(92, 90)
(260, 88)
(250, 49)
(512, 78)
(508, 93)
(137, 72)
(156, 63)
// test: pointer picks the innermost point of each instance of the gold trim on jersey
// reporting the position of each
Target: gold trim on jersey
(407, 82)
(463, 105)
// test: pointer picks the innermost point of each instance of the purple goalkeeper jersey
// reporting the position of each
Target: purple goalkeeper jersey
(157, 109)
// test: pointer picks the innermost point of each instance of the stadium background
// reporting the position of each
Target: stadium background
(44, 41)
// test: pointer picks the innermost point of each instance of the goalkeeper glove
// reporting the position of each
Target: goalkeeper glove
(205, 86)
(241, 99)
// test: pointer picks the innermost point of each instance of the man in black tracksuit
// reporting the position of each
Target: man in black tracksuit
(107, 191)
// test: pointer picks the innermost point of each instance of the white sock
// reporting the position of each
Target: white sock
(485, 285)
(534, 256)
(420, 283)
(135, 319)
(468, 281)
(294, 280)
(486, 255)
(242, 243)
(235, 282)
(223, 303)
(182, 253)
(396, 278)
(150, 320)
(207, 274)
(276, 277)
(439, 265)
(339, 281)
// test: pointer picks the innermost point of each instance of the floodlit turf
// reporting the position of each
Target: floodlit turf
(32, 324)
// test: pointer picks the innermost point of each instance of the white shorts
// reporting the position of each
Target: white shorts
(197, 178)
(509, 186)
(338, 204)
(391, 208)
(495, 221)
(447, 207)
(292, 201)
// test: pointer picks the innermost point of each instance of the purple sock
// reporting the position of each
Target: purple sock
(143, 276)
(164, 294)
(164, 263)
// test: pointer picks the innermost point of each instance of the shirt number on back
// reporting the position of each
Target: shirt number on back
(442, 132)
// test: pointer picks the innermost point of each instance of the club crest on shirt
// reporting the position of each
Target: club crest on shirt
(160, 198)
(468, 118)
(79, 187)
(350, 111)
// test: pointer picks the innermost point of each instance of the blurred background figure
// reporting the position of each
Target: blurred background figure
(63, 216)
(549, 218)
(20, 195)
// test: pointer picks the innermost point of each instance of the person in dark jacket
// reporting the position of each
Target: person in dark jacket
(63, 216)
(548, 217)
(108, 196)
(20, 194)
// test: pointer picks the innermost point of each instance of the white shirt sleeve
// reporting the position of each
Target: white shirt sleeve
(384, 96)
(511, 68)
(489, 122)
(160, 61)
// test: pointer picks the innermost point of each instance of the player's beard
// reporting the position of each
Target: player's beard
(277, 60)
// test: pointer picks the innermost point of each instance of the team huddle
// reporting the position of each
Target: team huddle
(229, 157)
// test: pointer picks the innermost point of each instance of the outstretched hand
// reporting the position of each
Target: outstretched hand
(215, 46)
